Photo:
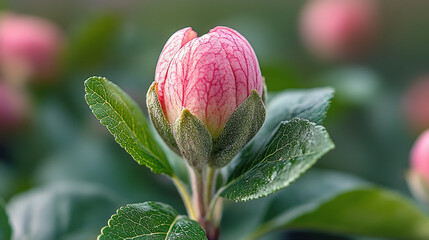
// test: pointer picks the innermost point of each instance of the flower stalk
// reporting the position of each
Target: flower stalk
(202, 188)
(198, 193)
(210, 185)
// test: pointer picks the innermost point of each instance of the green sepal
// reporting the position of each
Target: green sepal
(193, 139)
(157, 117)
(241, 127)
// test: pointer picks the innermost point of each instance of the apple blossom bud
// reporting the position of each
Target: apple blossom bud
(207, 78)
(418, 176)
(210, 75)
(29, 46)
(415, 104)
(338, 29)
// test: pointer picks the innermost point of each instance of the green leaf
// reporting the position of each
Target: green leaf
(368, 211)
(309, 104)
(5, 229)
(151, 220)
(290, 151)
(60, 211)
(313, 186)
(124, 119)
(338, 203)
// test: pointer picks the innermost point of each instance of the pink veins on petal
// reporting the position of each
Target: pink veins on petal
(243, 62)
(173, 45)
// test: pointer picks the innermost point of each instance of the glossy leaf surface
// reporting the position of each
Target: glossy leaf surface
(124, 119)
(291, 150)
(151, 220)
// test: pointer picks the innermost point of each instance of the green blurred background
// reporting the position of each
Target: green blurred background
(61, 142)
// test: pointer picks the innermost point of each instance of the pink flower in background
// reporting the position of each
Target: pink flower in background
(29, 46)
(209, 75)
(420, 156)
(338, 29)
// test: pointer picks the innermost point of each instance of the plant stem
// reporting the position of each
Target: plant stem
(202, 193)
(198, 194)
(185, 197)
(210, 184)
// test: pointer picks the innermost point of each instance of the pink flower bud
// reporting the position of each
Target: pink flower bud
(415, 104)
(338, 29)
(29, 46)
(420, 156)
(209, 75)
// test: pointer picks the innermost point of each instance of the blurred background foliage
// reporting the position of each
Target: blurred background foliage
(373, 118)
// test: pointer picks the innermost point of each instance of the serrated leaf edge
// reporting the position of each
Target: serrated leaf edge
(166, 169)
(300, 173)
(109, 223)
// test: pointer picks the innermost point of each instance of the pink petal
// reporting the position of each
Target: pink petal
(243, 61)
(201, 80)
(173, 45)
